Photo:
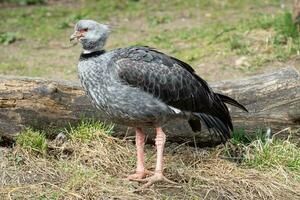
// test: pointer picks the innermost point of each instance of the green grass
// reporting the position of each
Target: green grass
(71, 20)
(274, 154)
(240, 136)
(278, 40)
(257, 151)
(18, 67)
(174, 27)
(88, 130)
(33, 141)
(285, 26)
(237, 44)
(25, 2)
(8, 38)
(281, 45)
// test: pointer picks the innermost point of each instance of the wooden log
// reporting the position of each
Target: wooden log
(296, 11)
(273, 100)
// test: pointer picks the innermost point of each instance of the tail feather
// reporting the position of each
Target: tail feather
(214, 125)
(217, 117)
(231, 101)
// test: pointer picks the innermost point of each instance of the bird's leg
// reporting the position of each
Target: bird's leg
(141, 171)
(158, 174)
(160, 145)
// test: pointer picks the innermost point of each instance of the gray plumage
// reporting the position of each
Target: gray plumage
(139, 86)
(121, 102)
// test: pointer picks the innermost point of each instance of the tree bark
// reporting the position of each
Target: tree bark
(273, 100)
(296, 11)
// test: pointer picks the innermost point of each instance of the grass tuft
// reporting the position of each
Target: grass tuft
(32, 141)
(285, 27)
(256, 151)
(237, 43)
(273, 154)
(240, 136)
(8, 38)
(26, 2)
(88, 130)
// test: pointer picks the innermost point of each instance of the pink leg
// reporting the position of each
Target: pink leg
(140, 143)
(160, 145)
(141, 172)
(158, 174)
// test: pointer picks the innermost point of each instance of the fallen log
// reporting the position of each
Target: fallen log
(273, 100)
(296, 12)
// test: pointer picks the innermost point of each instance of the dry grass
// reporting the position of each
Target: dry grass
(94, 168)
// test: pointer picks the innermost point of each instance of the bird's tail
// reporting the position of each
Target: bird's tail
(217, 118)
(231, 101)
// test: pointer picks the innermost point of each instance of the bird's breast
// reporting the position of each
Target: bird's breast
(120, 102)
(95, 81)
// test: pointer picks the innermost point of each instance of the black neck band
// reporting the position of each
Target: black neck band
(92, 54)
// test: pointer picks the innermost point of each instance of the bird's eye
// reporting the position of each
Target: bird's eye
(84, 30)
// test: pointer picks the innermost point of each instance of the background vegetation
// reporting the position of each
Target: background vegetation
(220, 39)
(230, 38)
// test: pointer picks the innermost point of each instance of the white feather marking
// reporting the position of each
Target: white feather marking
(177, 111)
(90, 51)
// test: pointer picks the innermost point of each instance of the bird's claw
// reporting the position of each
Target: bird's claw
(139, 175)
(157, 177)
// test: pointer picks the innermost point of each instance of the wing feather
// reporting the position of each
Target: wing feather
(166, 78)
(176, 84)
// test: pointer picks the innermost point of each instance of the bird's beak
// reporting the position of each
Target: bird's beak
(75, 36)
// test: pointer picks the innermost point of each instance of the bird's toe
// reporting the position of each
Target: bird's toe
(157, 177)
(139, 176)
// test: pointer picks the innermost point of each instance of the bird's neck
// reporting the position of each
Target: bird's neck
(92, 51)
(90, 54)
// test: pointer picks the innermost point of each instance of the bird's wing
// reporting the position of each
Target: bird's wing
(166, 78)
(176, 84)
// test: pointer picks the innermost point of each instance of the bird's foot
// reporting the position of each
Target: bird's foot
(139, 175)
(157, 177)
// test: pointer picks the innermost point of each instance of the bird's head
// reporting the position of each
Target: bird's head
(91, 34)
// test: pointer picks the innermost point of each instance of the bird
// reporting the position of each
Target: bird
(139, 86)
